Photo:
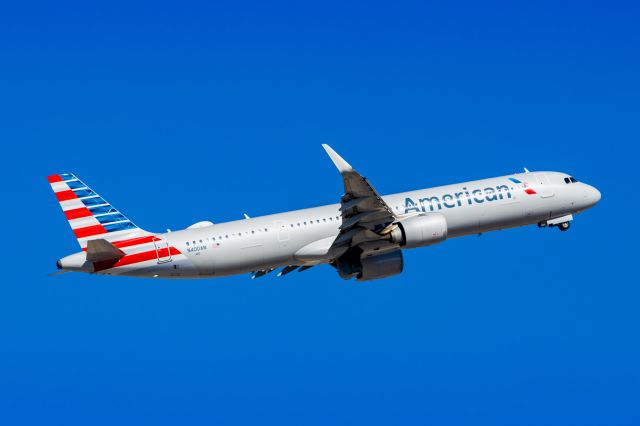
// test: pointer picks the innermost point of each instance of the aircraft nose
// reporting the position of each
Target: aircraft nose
(594, 194)
(591, 196)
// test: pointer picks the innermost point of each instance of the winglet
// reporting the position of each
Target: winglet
(340, 163)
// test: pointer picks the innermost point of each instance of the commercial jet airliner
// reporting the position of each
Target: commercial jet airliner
(362, 237)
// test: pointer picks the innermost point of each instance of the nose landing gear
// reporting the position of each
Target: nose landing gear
(563, 223)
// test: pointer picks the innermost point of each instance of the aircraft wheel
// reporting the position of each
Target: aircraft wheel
(564, 226)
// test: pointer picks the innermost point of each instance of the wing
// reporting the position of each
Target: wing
(366, 218)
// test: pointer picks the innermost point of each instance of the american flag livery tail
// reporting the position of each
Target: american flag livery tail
(90, 216)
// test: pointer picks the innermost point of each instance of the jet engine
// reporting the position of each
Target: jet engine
(421, 230)
(369, 267)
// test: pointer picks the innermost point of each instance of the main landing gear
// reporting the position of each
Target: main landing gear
(564, 226)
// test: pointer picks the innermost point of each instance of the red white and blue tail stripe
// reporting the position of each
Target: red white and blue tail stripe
(89, 215)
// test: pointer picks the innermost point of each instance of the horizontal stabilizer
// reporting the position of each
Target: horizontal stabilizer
(101, 249)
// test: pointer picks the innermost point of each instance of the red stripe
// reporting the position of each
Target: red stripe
(77, 213)
(530, 191)
(54, 178)
(89, 231)
(135, 242)
(66, 195)
(138, 258)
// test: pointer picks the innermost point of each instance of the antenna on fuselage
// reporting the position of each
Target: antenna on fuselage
(246, 216)
(526, 170)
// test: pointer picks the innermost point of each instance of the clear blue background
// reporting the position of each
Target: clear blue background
(184, 111)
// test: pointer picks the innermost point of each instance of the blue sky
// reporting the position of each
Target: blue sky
(178, 112)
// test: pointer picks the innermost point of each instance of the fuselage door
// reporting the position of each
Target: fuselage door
(283, 231)
(543, 185)
(163, 251)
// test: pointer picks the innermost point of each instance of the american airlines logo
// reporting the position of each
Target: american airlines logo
(524, 186)
(466, 196)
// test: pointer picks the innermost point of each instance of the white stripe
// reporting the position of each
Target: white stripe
(90, 196)
(139, 248)
(83, 222)
(71, 204)
(59, 186)
(120, 221)
(100, 205)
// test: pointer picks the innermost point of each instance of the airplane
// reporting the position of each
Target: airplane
(362, 237)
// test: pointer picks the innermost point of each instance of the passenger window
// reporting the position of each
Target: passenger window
(187, 243)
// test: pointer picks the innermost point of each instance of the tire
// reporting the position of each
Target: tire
(564, 226)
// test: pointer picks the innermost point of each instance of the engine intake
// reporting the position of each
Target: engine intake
(419, 231)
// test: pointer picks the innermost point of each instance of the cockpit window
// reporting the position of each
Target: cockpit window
(566, 180)
(574, 180)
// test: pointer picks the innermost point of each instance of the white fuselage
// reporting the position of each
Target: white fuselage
(273, 241)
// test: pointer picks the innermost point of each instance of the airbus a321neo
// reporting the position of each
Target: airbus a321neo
(362, 237)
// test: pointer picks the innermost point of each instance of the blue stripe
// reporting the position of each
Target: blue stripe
(514, 180)
(119, 226)
(102, 209)
(110, 218)
(66, 176)
(80, 193)
(75, 184)
(93, 201)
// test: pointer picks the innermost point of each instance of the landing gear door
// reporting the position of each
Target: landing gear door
(163, 251)
(543, 186)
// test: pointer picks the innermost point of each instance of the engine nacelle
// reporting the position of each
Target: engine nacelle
(381, 266)
(367, 268)
(419, 231)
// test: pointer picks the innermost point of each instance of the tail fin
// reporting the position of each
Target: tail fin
(89, 215)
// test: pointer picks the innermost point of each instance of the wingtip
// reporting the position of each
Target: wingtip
(340, 162)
